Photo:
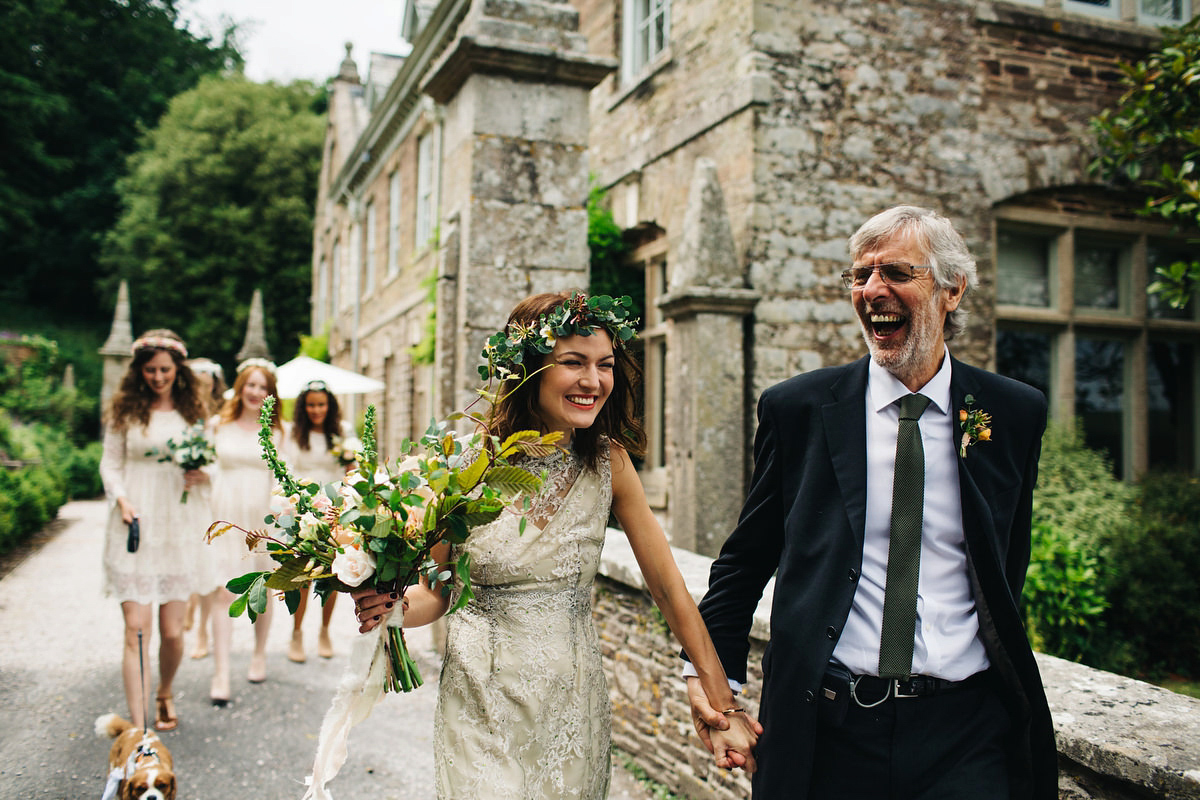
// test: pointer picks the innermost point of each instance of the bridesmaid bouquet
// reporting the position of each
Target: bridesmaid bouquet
(194, 451)
(346, 450)
(378, 525)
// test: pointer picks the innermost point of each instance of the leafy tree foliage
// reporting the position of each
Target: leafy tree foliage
(1152, 142)
(77, 79)
(219, 201)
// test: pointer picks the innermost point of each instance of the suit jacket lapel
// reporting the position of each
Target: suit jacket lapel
(846, 434)
(978, 525)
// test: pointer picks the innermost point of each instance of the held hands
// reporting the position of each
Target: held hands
(373, 607)
(730, 738)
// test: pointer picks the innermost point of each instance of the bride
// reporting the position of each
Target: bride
(523, 708)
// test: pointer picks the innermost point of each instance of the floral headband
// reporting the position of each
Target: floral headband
(580, 315)
(158, 343)
(261, 363)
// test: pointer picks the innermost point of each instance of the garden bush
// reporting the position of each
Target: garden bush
(1063, 599)
(46, 439)
(1154, 596)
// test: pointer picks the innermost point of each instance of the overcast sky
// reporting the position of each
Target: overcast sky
(285, 40)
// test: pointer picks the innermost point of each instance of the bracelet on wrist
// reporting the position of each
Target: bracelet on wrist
(734, 710)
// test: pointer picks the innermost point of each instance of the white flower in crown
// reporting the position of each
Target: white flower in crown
(547, 333)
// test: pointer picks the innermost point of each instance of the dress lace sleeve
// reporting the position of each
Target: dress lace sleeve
(112, 464)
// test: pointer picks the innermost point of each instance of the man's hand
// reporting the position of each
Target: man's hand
(731, 739)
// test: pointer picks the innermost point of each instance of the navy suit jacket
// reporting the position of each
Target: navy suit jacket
(803, 521)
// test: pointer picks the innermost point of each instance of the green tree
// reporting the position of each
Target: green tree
(77, 80)
(1151, 142)
(219, 201)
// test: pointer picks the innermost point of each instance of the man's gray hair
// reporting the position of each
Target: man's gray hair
(942, 247)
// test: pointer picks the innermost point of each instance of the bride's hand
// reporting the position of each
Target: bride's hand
(372, 607)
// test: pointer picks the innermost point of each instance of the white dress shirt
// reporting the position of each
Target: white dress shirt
(947, 643)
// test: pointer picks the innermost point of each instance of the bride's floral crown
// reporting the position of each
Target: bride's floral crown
(158, 343)
(580, 315)
(261, 363)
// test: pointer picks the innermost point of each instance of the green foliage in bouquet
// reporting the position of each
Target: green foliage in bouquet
(378, 526)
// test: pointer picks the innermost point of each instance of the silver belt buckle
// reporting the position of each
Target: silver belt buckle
(896, 690)
(891, 685)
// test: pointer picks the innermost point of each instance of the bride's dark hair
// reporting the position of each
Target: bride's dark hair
(518, 409)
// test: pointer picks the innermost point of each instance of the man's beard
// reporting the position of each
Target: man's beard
(911, 355)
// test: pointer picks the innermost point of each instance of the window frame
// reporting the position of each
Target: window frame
(393, 226)
(634, 63)
(1135, 324)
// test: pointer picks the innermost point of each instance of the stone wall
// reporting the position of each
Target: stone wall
(1118, 738)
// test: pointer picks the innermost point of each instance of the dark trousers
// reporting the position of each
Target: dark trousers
(946, 747)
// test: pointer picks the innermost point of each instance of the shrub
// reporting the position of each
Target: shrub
(1064, 599)
(1076, 491)
(1155, 595)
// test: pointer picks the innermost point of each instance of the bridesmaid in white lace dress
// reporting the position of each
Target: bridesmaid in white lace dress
(157, 400)
(317, 432)
(241, 495)
(523, 709)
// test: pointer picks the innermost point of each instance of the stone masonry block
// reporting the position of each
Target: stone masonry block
(521, 171)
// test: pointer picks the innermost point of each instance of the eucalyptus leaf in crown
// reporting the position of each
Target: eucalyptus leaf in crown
(378, 526)
(505, 350)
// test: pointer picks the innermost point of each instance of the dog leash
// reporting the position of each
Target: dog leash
(142, 686)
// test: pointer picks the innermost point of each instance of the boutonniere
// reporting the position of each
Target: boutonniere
(976, 425)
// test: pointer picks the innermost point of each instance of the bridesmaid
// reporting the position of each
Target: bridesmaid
(317, 429)
(210, 383)
(242, 495)
(157, 400)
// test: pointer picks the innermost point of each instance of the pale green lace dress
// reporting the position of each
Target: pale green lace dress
(523, 710)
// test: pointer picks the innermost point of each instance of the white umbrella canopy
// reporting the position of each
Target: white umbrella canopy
(293, 376)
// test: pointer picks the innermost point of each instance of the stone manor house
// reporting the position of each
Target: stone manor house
(740, 142)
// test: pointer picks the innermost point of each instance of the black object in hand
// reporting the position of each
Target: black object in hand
(131, 544)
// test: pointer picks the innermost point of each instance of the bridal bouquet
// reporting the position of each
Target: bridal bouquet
(194, 451)
(346, 450)
(378, 525)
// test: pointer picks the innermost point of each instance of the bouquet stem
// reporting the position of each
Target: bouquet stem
(184, 498)
(403, 674)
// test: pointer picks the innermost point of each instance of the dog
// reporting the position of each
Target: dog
(140, 765)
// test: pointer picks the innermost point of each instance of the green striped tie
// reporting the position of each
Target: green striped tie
(904, 549)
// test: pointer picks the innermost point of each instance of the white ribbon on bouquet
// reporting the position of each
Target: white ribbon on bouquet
(359, 691)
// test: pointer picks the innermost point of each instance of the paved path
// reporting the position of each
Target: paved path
(60, 669)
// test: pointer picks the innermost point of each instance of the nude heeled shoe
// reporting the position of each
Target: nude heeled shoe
(296, 648)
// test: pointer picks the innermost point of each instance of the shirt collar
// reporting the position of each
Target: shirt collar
(884, 388)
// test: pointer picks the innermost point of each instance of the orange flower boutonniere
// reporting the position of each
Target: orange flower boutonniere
(976, 425)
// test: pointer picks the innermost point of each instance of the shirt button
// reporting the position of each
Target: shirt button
(853, 575)
(831, 632)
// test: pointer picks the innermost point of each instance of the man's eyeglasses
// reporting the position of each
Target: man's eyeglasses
(316, 386)
(857, 277)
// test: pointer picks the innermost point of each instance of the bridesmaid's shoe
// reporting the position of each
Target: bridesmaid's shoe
(324, 645)
(258, 669)
(218, 691)
(296, 648)
(165, 718)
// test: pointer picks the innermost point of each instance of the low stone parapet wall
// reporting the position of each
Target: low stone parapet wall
(1118, 738)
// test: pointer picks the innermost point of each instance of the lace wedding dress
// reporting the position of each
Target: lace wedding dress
(169, 562)
(523, 710)
(241, 494)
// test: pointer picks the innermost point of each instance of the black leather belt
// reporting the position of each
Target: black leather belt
(870, 690)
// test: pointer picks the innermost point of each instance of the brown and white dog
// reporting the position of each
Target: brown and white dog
(140, 766)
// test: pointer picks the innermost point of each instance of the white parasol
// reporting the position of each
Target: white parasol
(293, 376)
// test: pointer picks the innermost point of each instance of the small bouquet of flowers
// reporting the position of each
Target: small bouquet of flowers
(346, 450)
(194, 451)
(378, 526)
